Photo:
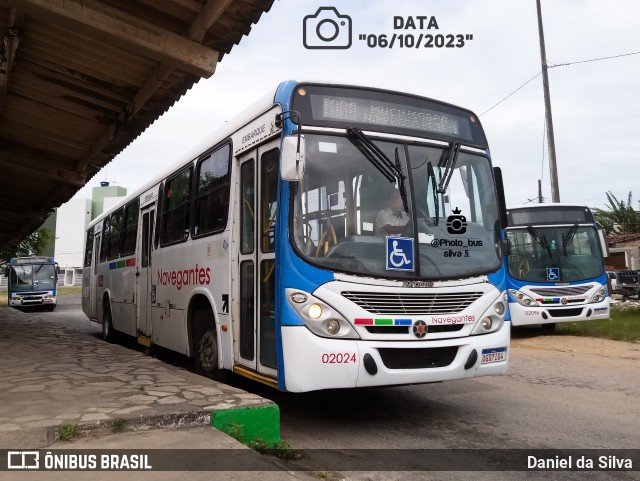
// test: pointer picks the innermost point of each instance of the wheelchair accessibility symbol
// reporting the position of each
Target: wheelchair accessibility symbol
(400, 253)
(553, 273)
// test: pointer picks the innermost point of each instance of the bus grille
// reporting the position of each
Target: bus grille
(421, 358)
(407, 329)
(562, 291)
(410, 303)
(576, 311)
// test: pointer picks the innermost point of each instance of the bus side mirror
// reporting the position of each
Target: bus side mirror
(502, 204)
(293, 157)
(7, 271)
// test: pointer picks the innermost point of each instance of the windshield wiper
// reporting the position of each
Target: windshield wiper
(400, 176)
(541, 239)
(431, 175)
(393, 172)
(449, 165)
(566, 239)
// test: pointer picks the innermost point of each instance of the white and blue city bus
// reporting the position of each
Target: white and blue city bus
(259, 252)
(32, 282)
(555, 269)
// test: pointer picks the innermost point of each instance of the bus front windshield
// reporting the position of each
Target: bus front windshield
(555, 253)
(351, 199)
(31, 277)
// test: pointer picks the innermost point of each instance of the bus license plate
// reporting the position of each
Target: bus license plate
(494, 355)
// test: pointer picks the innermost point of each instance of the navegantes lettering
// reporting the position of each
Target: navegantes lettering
(199, 276)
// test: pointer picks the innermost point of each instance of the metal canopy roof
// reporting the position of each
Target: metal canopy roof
(81, 79)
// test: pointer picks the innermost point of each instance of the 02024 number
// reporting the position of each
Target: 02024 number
(338, 358)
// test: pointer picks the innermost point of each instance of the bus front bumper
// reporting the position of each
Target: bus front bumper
(313, 362)
(523, 316)
(32, 301)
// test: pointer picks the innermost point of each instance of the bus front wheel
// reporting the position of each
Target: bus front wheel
(548, 327)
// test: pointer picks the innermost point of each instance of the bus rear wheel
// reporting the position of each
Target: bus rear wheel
(108, 333)
(206, 343)
(207, 356)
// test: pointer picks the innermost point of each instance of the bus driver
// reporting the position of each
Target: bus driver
(391, 220)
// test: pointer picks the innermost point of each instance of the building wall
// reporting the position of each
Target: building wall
(71, 221)
(50, 224)
(98, 195)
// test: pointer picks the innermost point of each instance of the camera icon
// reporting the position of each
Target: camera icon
(326, 29)
(456, 223)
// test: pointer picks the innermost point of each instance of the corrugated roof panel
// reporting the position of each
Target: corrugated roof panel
(82, 86)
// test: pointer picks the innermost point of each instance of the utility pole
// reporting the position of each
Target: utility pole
(555, 190)
(539, 191)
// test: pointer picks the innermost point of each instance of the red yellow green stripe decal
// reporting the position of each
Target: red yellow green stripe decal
(131, 262)
(382, 322)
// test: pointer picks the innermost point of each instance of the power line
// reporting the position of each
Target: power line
(559, 65)
(593, 59)
(510, 94)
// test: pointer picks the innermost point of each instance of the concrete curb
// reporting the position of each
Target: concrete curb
(55, 376)
(39, 438)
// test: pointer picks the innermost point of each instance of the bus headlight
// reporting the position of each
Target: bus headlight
(333, 327)
(315, 311)
(599, 296)
(492, 319)
(319, 317)
(522, 299)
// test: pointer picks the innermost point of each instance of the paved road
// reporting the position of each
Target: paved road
(560, 392)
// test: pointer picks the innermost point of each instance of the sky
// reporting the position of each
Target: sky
(595, 104)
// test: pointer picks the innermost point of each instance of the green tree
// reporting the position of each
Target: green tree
(621, 218)
(33, 244)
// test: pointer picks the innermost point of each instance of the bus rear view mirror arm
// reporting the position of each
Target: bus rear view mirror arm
(293, 157)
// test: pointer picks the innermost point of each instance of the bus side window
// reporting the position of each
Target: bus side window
(130, 228)
(211, 201)
(106, 229)
(88, 251)
(115, 234)
(175, 208)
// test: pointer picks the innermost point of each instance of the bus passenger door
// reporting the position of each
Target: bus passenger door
(94, 301)
(144, 295)
(254, 321)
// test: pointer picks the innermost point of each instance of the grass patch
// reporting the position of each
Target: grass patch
(118, 425)
(63, 291)
(67, 432)
(236, 431)
(624, 325)
(280, 449)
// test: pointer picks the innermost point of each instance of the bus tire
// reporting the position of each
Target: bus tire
(108, 334)
(548, 327)
(51, 307)
(206, 343)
